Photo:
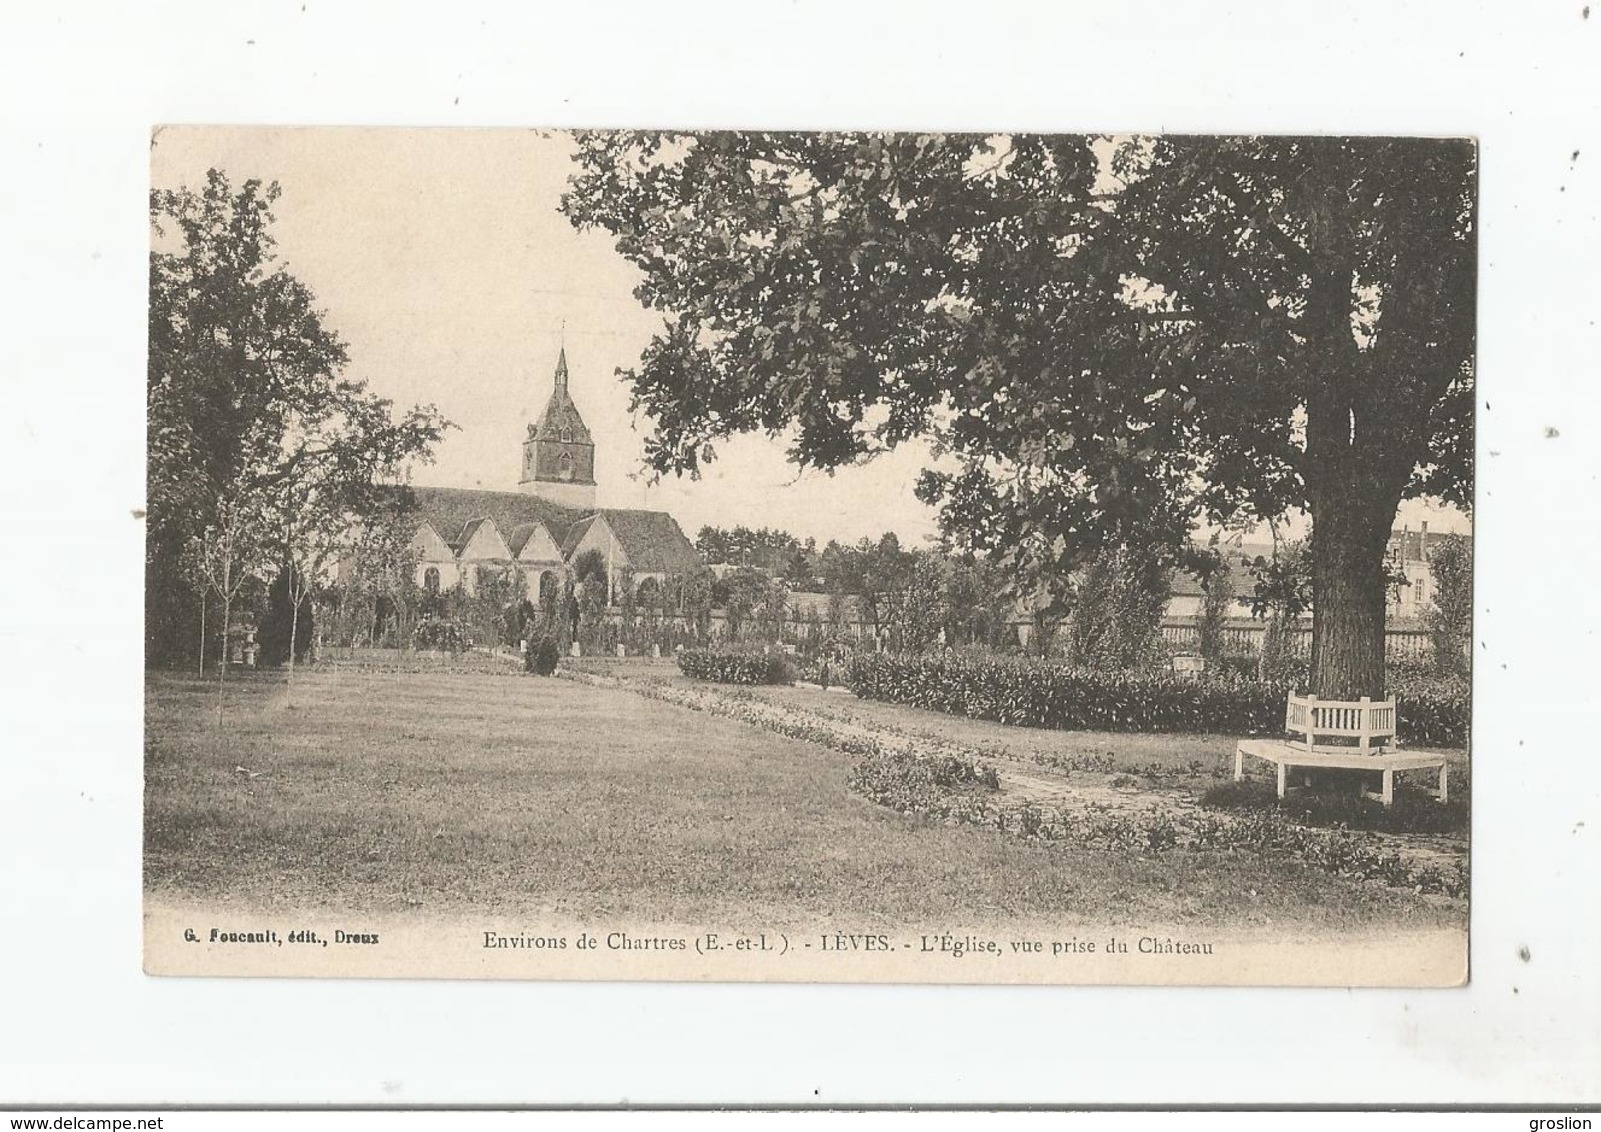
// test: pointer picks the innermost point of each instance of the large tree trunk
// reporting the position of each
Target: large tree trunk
(1359, 458)
(1349, 538)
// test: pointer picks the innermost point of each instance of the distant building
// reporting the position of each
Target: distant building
(465, 535)
(559, 454)
(1188, 597)
(648, 542)
(1407, 556)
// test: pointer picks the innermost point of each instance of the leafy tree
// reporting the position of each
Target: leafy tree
(881, 571)
(255, 440)
(492, 609)
(712, 542)
(916, 606)
(590, 599)
(568, 613)
(380, 569)
(746, 592)
(228, 548)
(1217, 598)
(551, 604)
(332, 479)
(590, 566)
(651, 596)
(766, 548)
(838, 611)
(1281, 596)
(801, 566)
(771, 608)
(977, 602)
(1117, 616)
(191, 573)
(627, 606)
(1110, 334)
(695, 603)
(1450, 618)
(838, 566)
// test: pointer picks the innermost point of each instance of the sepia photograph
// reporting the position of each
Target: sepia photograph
(895, 557)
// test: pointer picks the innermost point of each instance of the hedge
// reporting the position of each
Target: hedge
(1031, 694)
(726, 667)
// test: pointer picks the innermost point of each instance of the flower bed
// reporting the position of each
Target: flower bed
(1030, 694)
(898, 782)
(952, 783)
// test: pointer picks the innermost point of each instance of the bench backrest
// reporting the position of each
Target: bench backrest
(1364, 724)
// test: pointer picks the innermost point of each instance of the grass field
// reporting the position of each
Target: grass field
(1185, 763)
(456, 793)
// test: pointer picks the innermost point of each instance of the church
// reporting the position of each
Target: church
(464, 535)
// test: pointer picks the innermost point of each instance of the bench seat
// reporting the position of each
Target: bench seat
(1284, 755)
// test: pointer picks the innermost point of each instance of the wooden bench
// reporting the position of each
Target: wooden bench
(1339, 735)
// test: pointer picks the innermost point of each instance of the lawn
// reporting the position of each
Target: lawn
(454, 793)
(1182, 762)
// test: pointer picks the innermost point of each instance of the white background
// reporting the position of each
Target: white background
(83, 83)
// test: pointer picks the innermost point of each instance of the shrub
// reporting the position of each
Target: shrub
(1414, 810)
(1069, 764)
(1435, 711)
(274, 630)
(916, 783)
(1450, 619)
(543, 656)
(439, 633)
(1031, 694)
(726, 666)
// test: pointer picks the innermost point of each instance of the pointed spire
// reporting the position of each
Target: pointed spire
(561, 369)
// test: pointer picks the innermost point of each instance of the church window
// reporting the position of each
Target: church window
(430, 579)
(565, 466)
(566, 435)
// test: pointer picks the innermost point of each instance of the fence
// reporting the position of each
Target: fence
(1241, 636)
(1244, 638)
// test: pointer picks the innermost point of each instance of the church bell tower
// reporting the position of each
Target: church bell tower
(559, 453)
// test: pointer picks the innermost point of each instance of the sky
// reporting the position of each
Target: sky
(440, 258)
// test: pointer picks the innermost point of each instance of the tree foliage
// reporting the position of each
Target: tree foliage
(1111, 336)
(258, 442)
(285, 630)
(1117, 616)
(1217, 599)
(1450, 618)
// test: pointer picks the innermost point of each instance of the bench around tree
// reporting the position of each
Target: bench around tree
(1342, 735)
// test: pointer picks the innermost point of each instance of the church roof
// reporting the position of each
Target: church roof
(652, 540)
(451, 510)
(520, 535)
(560, 411)
(470, 529)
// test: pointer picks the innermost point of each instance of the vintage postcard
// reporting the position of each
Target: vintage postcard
(991, 558)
